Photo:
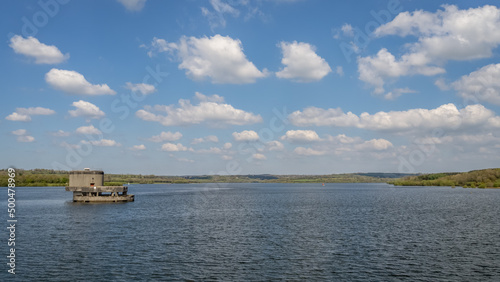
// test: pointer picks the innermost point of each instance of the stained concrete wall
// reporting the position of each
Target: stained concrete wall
(84, 178)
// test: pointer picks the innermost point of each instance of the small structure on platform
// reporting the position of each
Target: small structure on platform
(88, 186)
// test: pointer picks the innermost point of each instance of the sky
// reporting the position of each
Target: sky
(250, 87)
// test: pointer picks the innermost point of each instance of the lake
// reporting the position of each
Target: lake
(242, 232)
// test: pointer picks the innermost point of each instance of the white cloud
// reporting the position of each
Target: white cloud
(25, 138)
(102, 143)
(347, 30)
(246, 136)
(87, 110)
(398, 92)
(89, 130)
(31, 47)
(60, 133)
(448, 34)
(227, 145)
(142, 88)
(204, 98)
(138, 147)
(219, 58)
(24, 114)
(216, 17)
(166, 136)
(275, 146)
(342, 139)
(445, 116)
(22, 136)
(321, 117)
(210, 138)
(19, 132)
(302, 64)
(374, 144)
(441, 84)
(213, 113)
(18, 117)
(73, 82)
(159, 45)
(133, 5)
(308, 152)
(483, 84)
(171, 147)
(258, 156)
(301, 136)
(375, 70)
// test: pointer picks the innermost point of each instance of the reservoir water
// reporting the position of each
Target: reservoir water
(254, 232)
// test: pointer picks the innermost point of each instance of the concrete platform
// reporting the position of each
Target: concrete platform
(100, 194)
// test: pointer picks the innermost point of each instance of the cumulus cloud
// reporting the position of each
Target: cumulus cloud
(31, 47)
(445, 116)
(321, 117)
(218, 58)
(73, 82)
(133, 5)
(210, 138)
(88, 130)
(171, 147)
(275, 146)
(483, 84)
(166, 136)
(214, 113)
(86, 109)
(301, 136)
(24, 114)
(349, 147)
(246, 136)
(102, 143)
(374, 144)
(447, 34)
(302, 64)
(259, 157)
(22, 136)
(142, 88)
(376, 69)
(138, 147)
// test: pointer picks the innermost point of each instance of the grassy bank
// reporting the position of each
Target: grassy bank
(486, 178)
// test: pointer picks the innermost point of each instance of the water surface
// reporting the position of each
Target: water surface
(241, 232)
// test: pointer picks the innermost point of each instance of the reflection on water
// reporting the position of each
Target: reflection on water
(237, 232)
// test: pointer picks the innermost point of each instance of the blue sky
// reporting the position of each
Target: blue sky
(244, 87)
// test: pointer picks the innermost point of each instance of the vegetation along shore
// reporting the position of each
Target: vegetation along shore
(486, 178)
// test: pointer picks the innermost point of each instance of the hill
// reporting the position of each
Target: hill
(485, 178)
(45, 177)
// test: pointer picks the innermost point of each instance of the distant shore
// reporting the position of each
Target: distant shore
(486, 178)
